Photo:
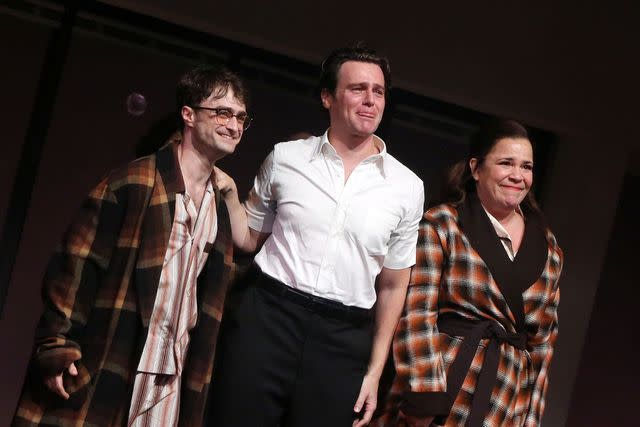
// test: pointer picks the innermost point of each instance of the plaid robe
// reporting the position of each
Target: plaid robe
(462, 272)
(99, 292)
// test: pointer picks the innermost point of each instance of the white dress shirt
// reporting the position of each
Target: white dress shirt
(329, 237)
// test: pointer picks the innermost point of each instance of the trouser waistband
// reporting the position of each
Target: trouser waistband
(316, 304)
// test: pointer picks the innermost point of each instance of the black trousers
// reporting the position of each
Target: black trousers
(287, 361)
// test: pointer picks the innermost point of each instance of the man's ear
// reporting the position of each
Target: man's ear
(187, 114)
(326, 98)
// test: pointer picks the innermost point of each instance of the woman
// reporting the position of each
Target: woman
(476, 337)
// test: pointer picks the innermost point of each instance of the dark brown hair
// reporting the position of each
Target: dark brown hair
(199, 83)
(332, 63)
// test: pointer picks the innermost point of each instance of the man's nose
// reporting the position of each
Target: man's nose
(233, 124)
(369, 98)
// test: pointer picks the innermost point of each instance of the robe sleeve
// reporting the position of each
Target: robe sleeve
(417, 357)
(540, 346)
(72, 278)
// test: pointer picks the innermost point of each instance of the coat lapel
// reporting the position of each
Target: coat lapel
(156, 228)
(511, 277)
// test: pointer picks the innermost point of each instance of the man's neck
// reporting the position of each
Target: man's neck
(196, 169)
(352, 148)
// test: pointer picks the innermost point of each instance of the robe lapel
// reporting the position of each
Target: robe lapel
(156, 228)
(511, 277)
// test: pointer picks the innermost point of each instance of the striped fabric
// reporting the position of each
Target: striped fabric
(450, 276)
(156, 390)
(99, 294)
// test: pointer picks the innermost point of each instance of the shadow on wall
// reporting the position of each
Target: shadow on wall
(606, 390)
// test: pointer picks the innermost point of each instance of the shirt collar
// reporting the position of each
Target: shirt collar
(322, 143)
(208, 190)
(500, 230)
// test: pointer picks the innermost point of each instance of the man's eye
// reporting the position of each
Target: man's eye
(224, 113)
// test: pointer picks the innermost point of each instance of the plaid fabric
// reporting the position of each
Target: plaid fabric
(450, 276)
(99, 293)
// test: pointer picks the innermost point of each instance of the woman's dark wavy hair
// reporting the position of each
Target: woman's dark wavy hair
(459, 181)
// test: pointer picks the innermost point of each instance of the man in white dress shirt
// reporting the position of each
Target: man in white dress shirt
(335, 219)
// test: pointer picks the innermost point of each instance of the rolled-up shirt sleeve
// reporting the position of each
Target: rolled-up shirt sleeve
(260, 206)
(402, 245)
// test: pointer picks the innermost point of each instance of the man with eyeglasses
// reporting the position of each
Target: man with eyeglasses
(134, 295)
(335, 219)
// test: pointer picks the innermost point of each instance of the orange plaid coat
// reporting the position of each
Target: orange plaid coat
(499, 317)
(99, 292)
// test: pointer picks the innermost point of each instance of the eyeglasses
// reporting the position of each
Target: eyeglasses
(223, 115)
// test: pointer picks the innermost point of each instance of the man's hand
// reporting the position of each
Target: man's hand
(54, 383)
(226, 184)
(412, 421)
(367, 400)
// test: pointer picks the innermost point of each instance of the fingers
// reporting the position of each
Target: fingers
(366, 400)
(360, 402)
(55, 385)
(223, 181)
(358, 406)
(366, 417)
(369, 413)
(219, 172)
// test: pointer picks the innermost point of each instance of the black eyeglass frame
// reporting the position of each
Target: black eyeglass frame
(244, 122)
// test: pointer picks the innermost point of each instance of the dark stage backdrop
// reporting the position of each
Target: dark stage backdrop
(606, 390)
(113, 55)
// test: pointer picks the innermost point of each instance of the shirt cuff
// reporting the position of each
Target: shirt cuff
(261, 224)
(399, 264)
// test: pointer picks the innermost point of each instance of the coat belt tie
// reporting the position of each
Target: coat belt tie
(473, 332)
